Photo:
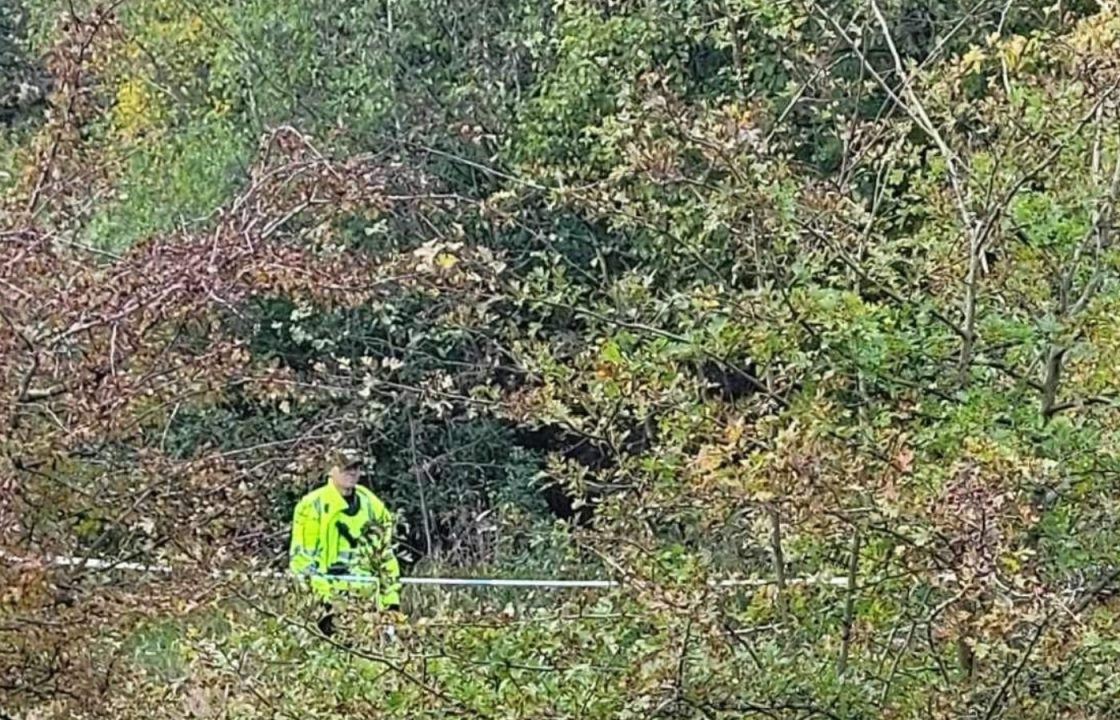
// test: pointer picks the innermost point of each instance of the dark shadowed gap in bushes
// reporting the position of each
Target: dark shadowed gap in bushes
(492, 463)
(595, 454)
(703, 69)
(729, 382)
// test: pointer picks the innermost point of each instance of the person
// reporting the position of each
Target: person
(341, 530)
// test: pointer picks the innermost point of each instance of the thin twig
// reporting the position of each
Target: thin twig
(849, 604)
(778, 559)
(419, 472)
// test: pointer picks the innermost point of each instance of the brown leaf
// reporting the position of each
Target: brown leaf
(904, 460)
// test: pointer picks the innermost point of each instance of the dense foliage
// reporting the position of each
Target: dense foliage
(818, 298)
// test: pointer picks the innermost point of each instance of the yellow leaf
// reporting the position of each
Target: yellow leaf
(973, 59)
(735, 431)
(709, 459)
(1013, 51)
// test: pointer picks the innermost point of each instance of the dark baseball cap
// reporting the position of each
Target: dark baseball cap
(346, 458)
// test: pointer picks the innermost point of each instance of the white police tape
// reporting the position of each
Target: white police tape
(118, 565)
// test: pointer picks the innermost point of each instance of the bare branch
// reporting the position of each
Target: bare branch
(849, 603)
(778, 558)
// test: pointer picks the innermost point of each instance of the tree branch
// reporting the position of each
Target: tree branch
(849, 603)
(778, 558)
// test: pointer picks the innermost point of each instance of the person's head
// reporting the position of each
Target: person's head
(346, 469)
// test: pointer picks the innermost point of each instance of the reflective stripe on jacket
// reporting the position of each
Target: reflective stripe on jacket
(327, 540)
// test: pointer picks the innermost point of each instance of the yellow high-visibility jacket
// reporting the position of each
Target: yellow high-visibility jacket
(328, 540)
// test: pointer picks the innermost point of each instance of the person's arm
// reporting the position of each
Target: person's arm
(303, 552)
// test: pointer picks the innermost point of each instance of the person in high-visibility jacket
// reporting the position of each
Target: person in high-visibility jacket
(343, 529)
